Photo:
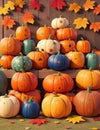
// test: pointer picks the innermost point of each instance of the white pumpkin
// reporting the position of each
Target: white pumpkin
(59, 22)
(49, 45)
(9, 106)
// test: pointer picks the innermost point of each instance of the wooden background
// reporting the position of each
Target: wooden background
(45, 16)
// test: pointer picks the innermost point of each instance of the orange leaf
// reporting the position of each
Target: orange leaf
(74, 7)
(95, 26)
(97, 9)
(89, 4)
(28, 18)
(8, 22)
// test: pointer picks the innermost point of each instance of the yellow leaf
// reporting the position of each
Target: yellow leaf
(10, 5)
(1, 10)
(74, 7)
(19, 3)
(81, 22)
(75, 119)
(5, 11)
(89, 4)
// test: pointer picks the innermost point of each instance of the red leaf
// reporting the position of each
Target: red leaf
(97, 10)
(38, 121)
(57, 4)
(35, 4)
(96, 118)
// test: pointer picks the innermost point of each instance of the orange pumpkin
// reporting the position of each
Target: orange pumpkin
(24, 81)
(67, 45)
(44, 32)
(5, 61)
(60, 83)
(83, 46)
(35, 94)
(10, 46)
(39, 59)
(56, 106)
(23, 32)
(77, 59)
(88, 77)
(66, 33)
(98, 53)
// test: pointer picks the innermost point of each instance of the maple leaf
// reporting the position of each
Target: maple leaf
(1, 10)
(81, 22)
(38, 121)
(97, 9)
(35, 4)
(19, 3)
(28, 18)
(75, 119)
(95, 26)
(89, 5)
(8, 22)
(74, 7)
(57, 4)
(10, 5)
(5, 11)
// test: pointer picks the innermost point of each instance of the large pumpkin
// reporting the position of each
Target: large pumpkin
(56, 106)
(26, 95)
(88, 77)
(24, 81)
(23, 32)
(39, 59)
(9, 106)
(10, 46)
(66, 33)
(87, 103)
(58, 82)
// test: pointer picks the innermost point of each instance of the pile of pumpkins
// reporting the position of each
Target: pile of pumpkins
(56, 48)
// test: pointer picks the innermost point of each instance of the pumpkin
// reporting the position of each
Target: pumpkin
(98, 53)
(22, 32)
(59, 22)
(44, 32)
(87, 103)
(24, 81)
(10, 46)
(26, 95)
(66, 33)
(3, 82)
(77, 59)
(58, 62)
(67, 46)
(5, 61)
(83, 46)
(56, 106)
(58, 82)
(9, 106)
(92, 60)
(21, 63)
(88, 77)
(28, 45)
(30, 109)
(49, 45)
(39, 59)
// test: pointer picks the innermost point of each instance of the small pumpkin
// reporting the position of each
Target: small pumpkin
(98, 53)
(9, 106)
(24, 81)
(88, 77)
(87, 103)
(60, 22)
(30, 109)
(58, 82)
(56, 106)
(58, 62)
(23, 32)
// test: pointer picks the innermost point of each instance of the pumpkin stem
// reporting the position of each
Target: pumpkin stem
(59, 73)
(31, 99)
(50, 36)
(55, 94)
(5, 96)
(89, 89)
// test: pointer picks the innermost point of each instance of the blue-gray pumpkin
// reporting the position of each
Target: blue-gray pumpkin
(58, 62)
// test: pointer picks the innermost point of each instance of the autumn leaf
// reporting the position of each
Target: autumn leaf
(81, 22)
(74, 7)
(97, 10)
(8, 22)
(38, 121)
(35, 4)
(5, 11)
(10, 5)
(59, 4)
(95, 26)
(19, 3)
(89, 4)
(28, 18)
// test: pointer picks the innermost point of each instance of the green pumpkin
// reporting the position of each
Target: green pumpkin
(3, 83)
(21, 63)
(92, 60)
(28, 45)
